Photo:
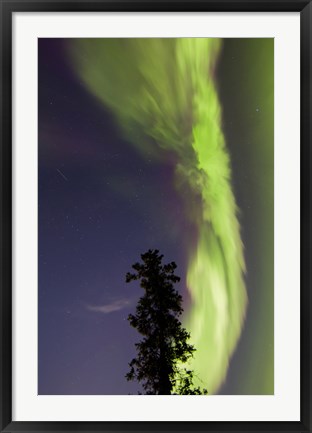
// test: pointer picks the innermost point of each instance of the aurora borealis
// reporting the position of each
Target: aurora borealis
(167, 177)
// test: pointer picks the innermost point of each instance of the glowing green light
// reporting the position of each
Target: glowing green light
(162, 91)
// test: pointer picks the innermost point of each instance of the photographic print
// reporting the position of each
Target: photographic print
(156, 216)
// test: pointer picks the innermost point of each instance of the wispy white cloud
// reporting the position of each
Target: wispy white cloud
(118, 305)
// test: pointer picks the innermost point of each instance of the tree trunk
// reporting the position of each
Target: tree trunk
(164, 380)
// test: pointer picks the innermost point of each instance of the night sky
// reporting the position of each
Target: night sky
(101, 205)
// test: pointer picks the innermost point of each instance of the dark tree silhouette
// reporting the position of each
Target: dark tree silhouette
(164, 347)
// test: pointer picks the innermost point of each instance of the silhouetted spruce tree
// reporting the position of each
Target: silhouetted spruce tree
(164, 347)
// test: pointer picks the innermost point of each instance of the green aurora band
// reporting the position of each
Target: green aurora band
(163, 94)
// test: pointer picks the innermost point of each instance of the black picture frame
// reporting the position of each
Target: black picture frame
(8, 7)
